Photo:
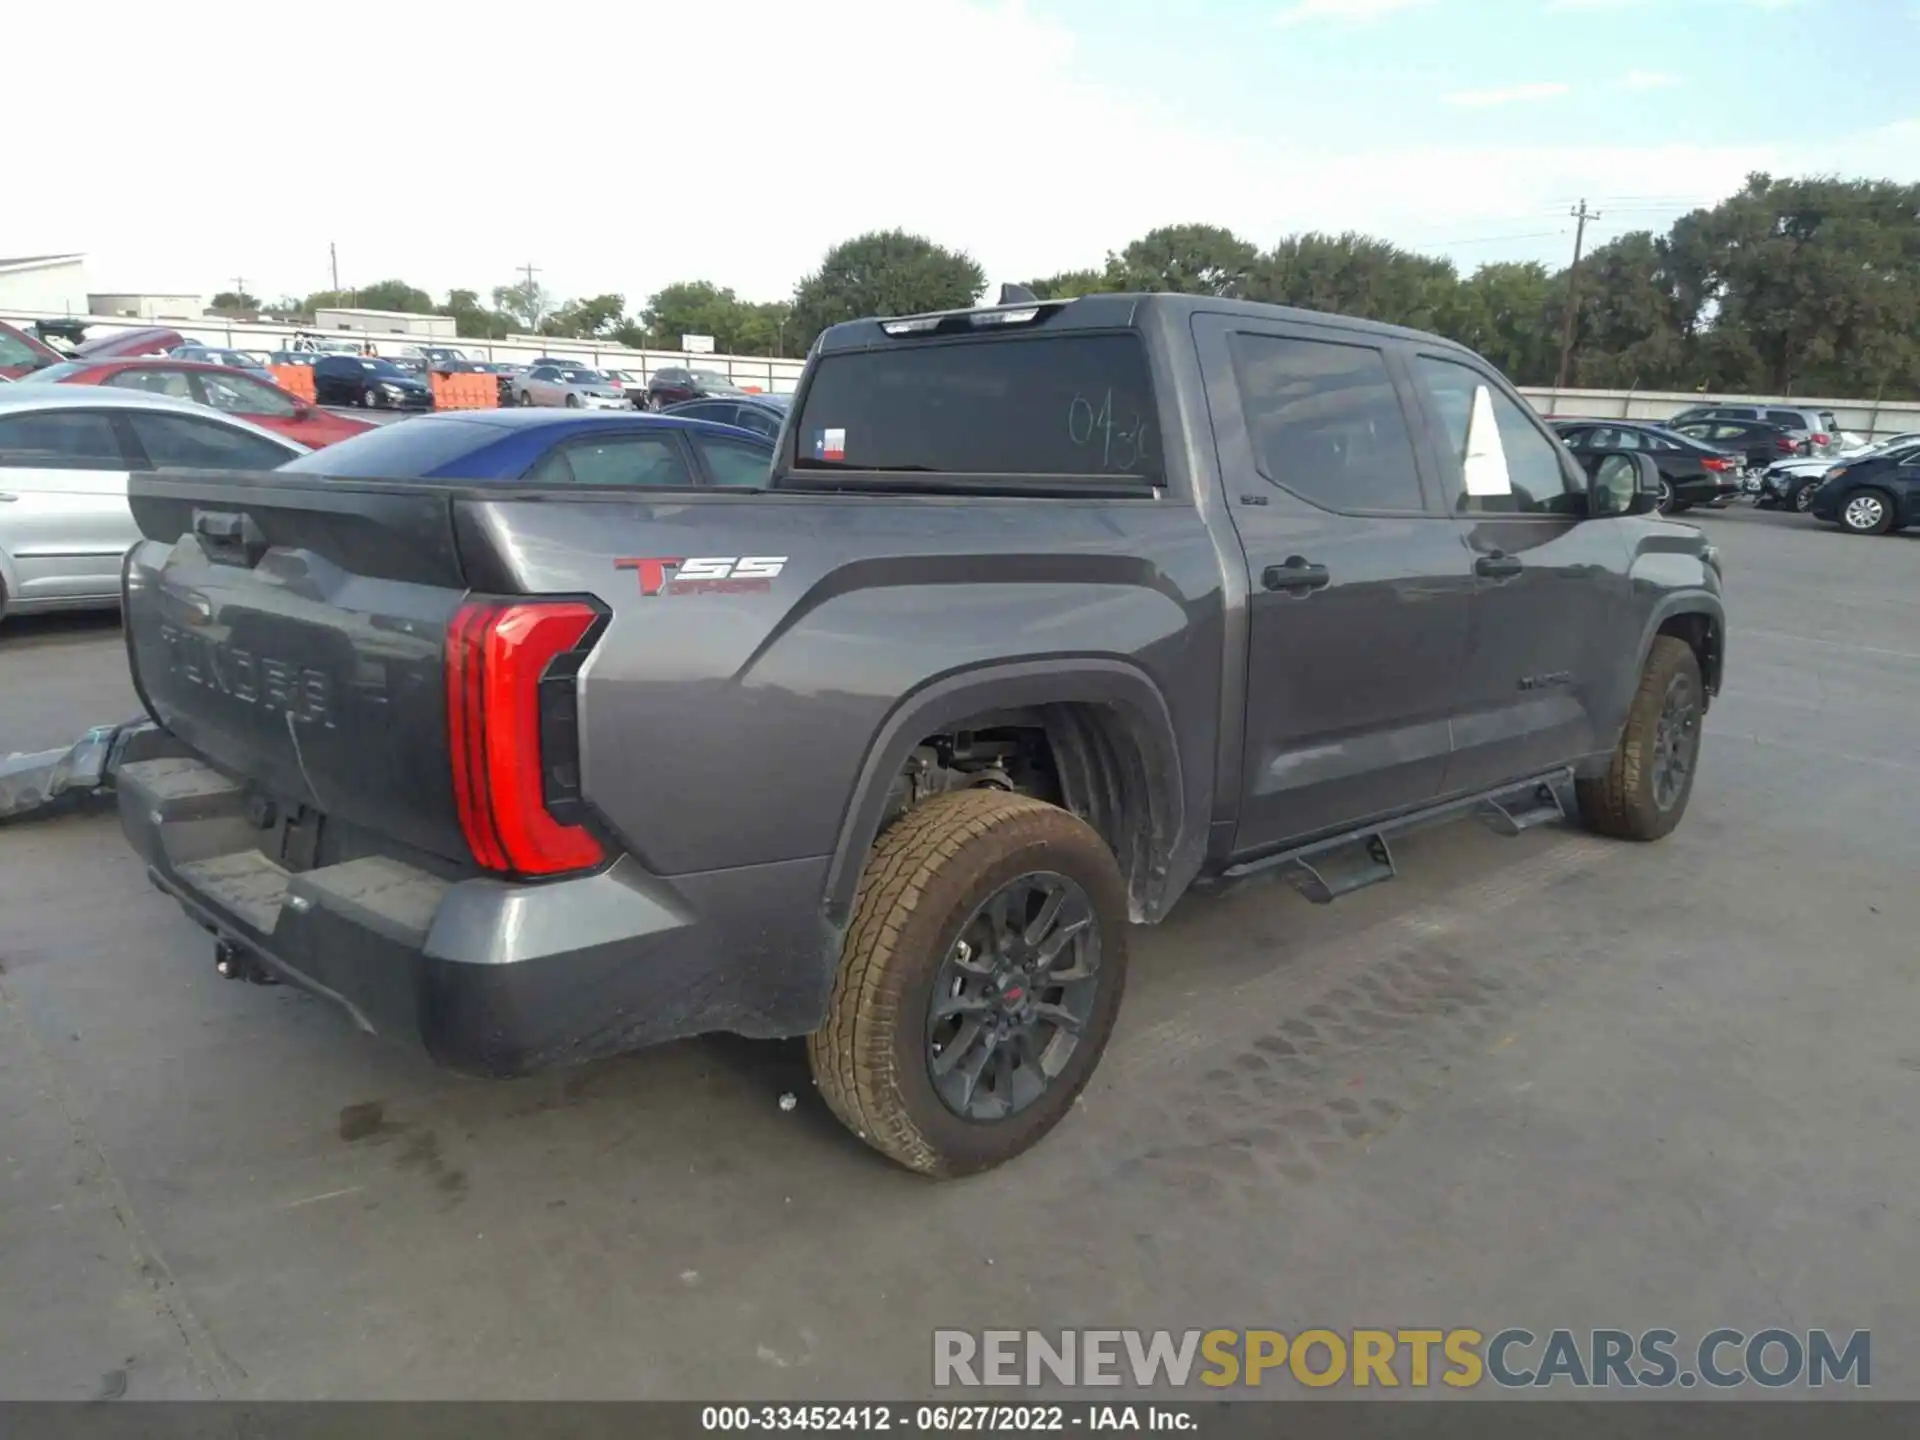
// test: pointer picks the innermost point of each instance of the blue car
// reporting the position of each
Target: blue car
(550, 446)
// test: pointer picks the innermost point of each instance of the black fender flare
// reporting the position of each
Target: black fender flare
(1691, 601)
(1161, 864)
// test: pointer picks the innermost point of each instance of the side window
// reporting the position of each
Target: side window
(752, 417)
(734, 462)
(623, 460)
(1789, 418)
(1325, 422)
(1506, 465)
(60, 440)
(154, 382)
(180, 442)
(1581, 439)
(1628, 440)
(1727, 430)
(244, 396)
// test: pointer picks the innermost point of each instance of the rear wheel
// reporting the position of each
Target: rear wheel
(525, 398)
(1645, 790)
(1665, 504)
(979, 982)
(1867, 512)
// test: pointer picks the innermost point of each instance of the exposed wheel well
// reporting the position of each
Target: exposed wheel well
(1083, 757)
(1702, 636)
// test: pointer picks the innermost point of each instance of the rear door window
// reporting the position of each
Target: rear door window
(1325, 421)
(736, 463)
(60, 440)
(646, 461)
(1049, 405)
(244, 395)
(1792, 419)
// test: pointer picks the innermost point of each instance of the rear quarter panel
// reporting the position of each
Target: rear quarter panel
(726, 729)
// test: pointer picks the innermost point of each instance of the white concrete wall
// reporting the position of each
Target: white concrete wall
(54, 291)
(1858, 417)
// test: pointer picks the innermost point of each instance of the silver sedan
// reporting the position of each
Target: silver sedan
(575, 388)
(66, 453)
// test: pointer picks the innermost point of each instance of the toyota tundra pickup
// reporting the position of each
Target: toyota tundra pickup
(1044, 613)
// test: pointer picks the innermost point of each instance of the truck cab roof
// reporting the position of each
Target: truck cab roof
(1130, 311)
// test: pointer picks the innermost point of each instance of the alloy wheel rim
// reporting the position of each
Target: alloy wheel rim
(1864, 512)
(1803, 497)
(1676, 742)
(1013, 997)
(1666, 497)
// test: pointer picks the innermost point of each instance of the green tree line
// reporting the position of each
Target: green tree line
(1791, 286)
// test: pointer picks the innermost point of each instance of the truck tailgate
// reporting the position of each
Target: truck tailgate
(293, 632)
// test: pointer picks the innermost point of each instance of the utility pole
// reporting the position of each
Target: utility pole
(533, 294)
(239, 286)
(1582, 215)
(333, 254)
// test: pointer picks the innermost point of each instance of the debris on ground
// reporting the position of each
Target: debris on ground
(36, 781)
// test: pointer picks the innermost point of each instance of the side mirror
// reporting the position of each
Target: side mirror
(1622, 482)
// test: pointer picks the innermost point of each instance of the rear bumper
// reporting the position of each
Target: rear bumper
(487, 976)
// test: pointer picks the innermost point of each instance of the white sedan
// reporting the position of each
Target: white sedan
(66, 452)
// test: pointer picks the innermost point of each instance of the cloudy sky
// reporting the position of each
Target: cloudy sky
(621, 146)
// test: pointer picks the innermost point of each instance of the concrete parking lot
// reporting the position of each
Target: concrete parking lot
(1551, 1081)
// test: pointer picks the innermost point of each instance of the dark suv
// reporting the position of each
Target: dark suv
(1043, 614)
(675, 384)
(1817, 430)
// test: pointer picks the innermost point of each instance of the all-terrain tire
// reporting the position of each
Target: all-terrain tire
(926, 876)
(1623, 803)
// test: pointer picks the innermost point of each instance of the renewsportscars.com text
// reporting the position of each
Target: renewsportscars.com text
(1459, 1358)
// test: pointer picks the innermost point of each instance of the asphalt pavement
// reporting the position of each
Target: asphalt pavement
(1546, 1082)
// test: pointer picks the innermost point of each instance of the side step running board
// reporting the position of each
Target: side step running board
(1518, 810)
(1333, 873)
(1325, 870)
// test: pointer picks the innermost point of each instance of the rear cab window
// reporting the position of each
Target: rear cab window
(1062, 407)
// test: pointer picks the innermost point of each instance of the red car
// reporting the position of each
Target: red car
(22, 354)
(215, 386)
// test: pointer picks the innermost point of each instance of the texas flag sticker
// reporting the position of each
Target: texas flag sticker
(830, 445)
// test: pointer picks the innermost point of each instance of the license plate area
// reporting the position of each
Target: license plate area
(289, 834)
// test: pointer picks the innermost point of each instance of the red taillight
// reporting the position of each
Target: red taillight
(1783, 443)
(1820, 439)
(1712, 464)
(497, 652)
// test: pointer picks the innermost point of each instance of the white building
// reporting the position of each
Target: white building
(387, 322)
(140, 306)
(48, 284)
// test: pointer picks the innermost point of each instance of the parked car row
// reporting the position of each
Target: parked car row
(245, 394)
(68, 447)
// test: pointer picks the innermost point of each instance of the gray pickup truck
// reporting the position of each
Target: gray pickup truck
(1045, 613)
